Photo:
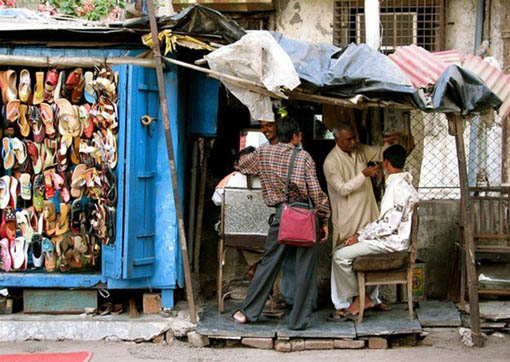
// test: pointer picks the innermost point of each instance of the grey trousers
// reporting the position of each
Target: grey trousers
(305, 283)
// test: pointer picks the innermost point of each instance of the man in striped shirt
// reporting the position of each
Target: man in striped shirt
(271, 163)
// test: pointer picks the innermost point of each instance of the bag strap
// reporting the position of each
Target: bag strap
(289, 173)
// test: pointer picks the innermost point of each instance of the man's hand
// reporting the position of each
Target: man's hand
(392, 138)
(371, 171)
(352, 240)
(324, 232)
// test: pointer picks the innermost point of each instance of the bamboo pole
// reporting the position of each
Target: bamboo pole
(296, 94)
(171, 161)
(72, 62)
(200, 212)
(457, 123)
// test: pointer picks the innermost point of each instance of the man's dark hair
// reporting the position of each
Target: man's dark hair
(286, 127)
(396, 154)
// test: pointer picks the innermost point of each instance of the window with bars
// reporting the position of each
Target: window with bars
(403, 22)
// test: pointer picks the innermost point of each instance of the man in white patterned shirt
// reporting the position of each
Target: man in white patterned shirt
(390, 232)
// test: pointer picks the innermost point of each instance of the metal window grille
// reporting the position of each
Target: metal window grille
(403, 22)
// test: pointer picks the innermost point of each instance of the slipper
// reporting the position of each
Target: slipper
(24, 127)
(7, 153)
(5, 197)
(47, 119)
(38, 198)
(50, 84)
(383, 307)
(117, 309)
(37, 252)
(49, 151)
(12, 111)
(88, 129)
(62, 161)
(335, 317)
(72, 81)
(49, 190)
(57, 93)
(78, 181)
(38, 129)
(8, 84)
(105, 309)
(5, 255)
(110, 224)
(50, 218)
(67, 118)
(60, 180)
(26, 186)
(39, 88)
(90, 94)
(77, 91)
(18, 253)
(63, 219)
(34, 149)
(76, 210)
(8, 227)
(110, 187)
(23, 222)
(50, 256)
(19, 149)
(14, 192)
(25, 86)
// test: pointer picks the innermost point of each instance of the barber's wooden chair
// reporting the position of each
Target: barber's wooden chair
(392, 268)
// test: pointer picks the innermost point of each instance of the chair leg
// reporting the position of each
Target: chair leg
(410, 293)
(361, 288)
(219, 281)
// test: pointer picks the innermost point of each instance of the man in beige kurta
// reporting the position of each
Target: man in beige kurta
(352, 199)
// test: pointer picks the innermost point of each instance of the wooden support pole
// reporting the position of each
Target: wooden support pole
(372, 24)
(171, 161)
(200, 211)
(457, 123)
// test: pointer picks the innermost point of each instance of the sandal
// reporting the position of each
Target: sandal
(39, 88)
(26, 186)
(117, 309)
(12, 112)
(5, 196)
(8, 84)
(72, 81)
(34, 150)
(37, 252)
(19, 253)
(23, 222)
(90, 94)
(78, 181)
(50, 218)
(5, 255)
(105, 309)
(63, 219)
(47, 119)
(38, 129)
(24, 127)
(58, 88)
(337, 316)
(50, 256)
(25, 85)
(50, 85)
(38, 198)
(7, 153)
(14, 192)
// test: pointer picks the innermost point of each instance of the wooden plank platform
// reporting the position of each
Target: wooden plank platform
(438, 314)
(376, 323)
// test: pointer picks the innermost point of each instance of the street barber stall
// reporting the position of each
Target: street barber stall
(321, 85)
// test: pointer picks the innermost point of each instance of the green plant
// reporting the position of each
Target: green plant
(90, 9)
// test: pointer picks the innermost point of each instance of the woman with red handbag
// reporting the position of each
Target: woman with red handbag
(289, 183)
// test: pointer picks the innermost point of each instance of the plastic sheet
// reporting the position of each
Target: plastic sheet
(256, 57)
(460, 91)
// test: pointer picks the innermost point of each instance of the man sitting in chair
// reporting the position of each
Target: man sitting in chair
(390, 232)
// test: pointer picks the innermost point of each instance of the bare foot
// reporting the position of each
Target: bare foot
(239, 317)
(355, 307)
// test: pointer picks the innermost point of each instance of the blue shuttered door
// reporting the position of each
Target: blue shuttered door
(112, 253)
(140, 174)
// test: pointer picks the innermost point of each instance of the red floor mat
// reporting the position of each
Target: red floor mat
(47, 357)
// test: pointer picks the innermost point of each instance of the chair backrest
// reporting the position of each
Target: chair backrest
(415, 225)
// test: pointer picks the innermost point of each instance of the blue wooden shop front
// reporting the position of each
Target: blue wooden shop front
(146, 252)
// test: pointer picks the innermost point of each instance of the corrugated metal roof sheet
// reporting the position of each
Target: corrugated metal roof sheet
(493, 78)
(421, 66)
(450, 57)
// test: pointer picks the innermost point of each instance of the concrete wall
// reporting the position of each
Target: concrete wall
(310, 20)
